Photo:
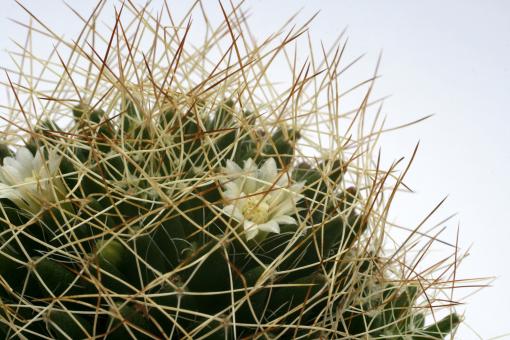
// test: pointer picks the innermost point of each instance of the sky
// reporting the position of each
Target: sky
(450, 59)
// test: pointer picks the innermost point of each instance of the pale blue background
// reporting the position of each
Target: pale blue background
(450, 58)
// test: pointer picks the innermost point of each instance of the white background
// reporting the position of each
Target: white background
(451, 59)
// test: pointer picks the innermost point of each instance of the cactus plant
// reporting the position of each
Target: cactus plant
(163, 194)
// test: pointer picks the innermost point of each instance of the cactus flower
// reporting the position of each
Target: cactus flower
(25, 179)
(260, 198)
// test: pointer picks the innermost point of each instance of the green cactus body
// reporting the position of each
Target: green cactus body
(176, 268)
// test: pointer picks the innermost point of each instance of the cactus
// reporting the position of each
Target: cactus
(178, 202)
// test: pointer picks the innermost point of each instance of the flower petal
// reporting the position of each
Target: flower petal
(284, 219)
(233, 211)
(10, 161)
(24, 157)
(275, 197)
(250, 229)
(271, 227)
(287, 207)
(297, 188)
(11, 173)
(249, 166)
(231, 191)
(12, 194)
(6, 191)
(249, 185)
(248, 181)
(268, 171)
(53, 162)
(232, 168)
(283, 181)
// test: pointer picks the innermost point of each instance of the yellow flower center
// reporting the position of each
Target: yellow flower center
(256, 210)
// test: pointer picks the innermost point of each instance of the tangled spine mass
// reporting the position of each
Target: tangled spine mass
(164, 210)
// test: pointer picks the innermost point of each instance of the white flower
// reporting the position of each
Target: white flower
(260, 199)
(26, 180)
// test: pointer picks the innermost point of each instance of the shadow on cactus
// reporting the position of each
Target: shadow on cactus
(161, 194)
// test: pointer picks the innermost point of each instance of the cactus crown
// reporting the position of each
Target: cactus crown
(165, 191)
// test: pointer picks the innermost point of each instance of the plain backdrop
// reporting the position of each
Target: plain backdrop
(447, 58)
